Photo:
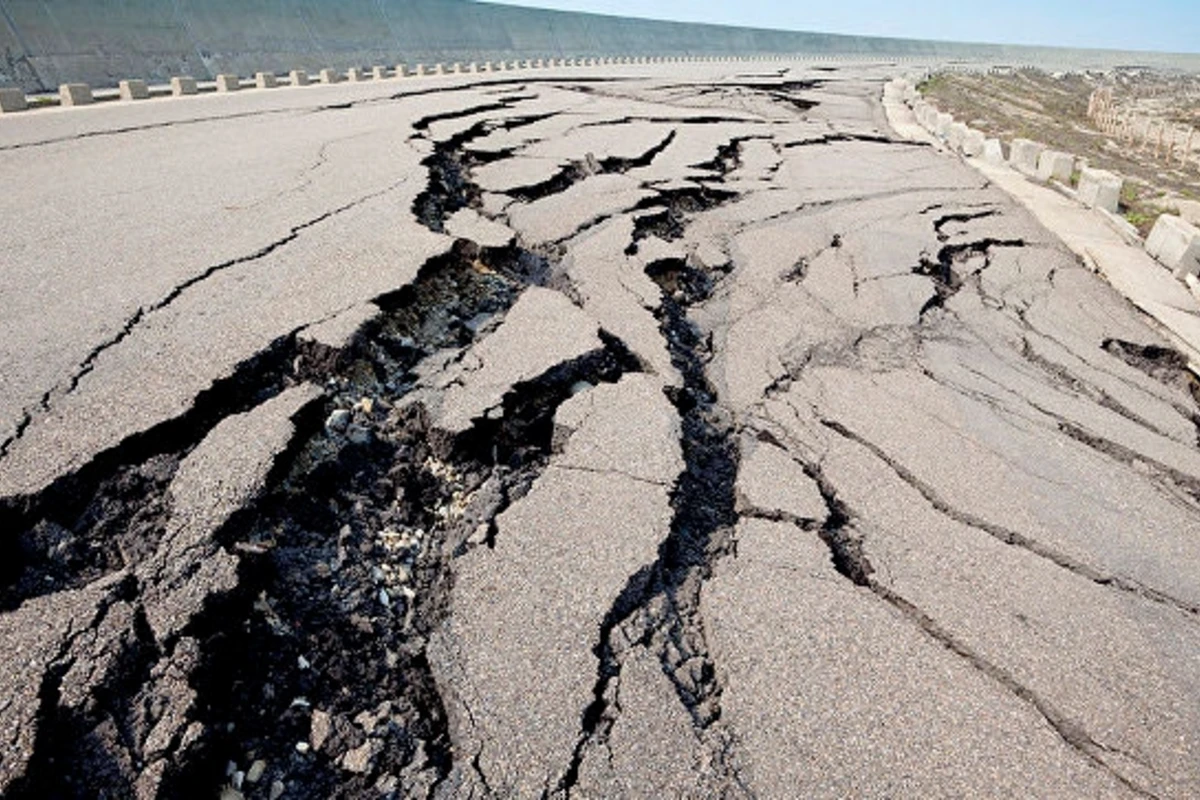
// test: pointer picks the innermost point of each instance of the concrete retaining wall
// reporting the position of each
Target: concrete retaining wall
(100, 42)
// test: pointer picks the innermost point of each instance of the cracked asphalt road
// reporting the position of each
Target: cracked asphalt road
(661, 431)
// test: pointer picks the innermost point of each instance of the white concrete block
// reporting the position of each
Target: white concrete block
(401, 70)
(1023, 154)
(455, 68)
(1099, 189)
(1176, 245)
(993, 152)
(134, 90)
(355, 75)
(438, 69)
(380, 73)
(75, 94)
(330, 76)
(265, 80)
(12, 100)
(942, 126)
(973, 142)
(1055, 165)
(183, 85)
(929, 119)
(955, 135)
(228, 82)
(298, 77)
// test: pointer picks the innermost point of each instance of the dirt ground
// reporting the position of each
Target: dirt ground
(1052, 108)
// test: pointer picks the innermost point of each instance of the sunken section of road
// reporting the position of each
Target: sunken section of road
(657, 436)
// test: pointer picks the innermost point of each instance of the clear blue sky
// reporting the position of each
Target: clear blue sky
(1163, 25)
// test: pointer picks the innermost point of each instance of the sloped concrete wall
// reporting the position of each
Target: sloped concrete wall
(44, 43)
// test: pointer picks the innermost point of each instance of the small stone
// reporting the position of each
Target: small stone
(277, 789)
(480, 534)
(579, 387)
(366, 720)
(384, 599)
(322, 726)
(302, 747)
(230, 793)
(366, 405)
(238, 778)
(303, 662)
(357, 434)
(338, 420)
(358, 760)
(255, 773)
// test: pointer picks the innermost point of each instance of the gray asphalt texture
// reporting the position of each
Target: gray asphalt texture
(674, 430)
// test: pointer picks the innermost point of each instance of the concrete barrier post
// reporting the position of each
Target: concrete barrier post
(1053, 165)
(12, 100)
(1024, 155)
(183, 85)
(228, 82)
(944, 121)
(265, 80)
(401, 70)
(420, 70)
(330, 76)
(972, 144)
(955, 135)
(134, 90)
(298, 77)
(1099, 189)
(438, 69)
(379, 73)
(993, 152)
(75, 94)
(1176, 245)
(355, 75)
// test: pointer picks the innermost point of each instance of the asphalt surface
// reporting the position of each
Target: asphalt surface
(676, 430)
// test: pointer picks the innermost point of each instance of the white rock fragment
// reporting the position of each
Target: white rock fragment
(338, 420)
(255, 773)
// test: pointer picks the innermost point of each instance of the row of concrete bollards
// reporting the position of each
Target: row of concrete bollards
(81, 94)
(1172, 142)
(1173, 242)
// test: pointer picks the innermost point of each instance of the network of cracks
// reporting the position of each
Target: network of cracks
(308, 673)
